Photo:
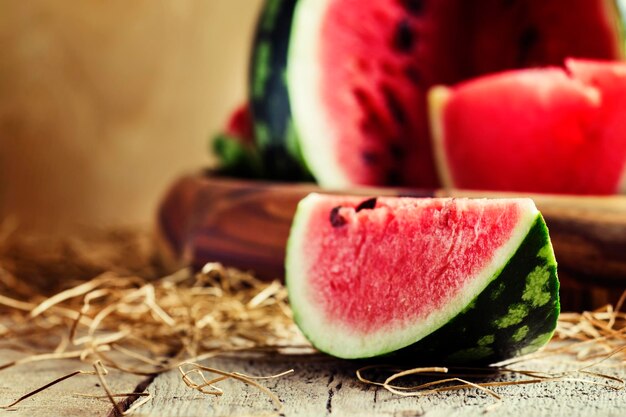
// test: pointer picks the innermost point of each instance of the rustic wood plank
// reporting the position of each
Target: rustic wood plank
(61, 399)
(320, 386)
(328, 387)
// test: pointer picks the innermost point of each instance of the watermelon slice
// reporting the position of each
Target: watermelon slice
(556, 130)
(358, 71)
(458, 279)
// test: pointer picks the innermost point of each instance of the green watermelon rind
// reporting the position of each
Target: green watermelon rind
(236, 157)
(440, 339)
(274, 131)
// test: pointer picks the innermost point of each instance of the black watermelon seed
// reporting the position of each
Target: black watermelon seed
(370, 158)
(373, 124)
(371, 127)
(404, 37)
(527, 41)
(336, 219)
(415, 7)
(397, 152)
(367, 204)
(365, 100)
(394, 105)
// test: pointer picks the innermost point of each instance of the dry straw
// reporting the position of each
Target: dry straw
(130, 319)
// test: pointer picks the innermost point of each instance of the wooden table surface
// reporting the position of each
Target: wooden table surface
(319, 386)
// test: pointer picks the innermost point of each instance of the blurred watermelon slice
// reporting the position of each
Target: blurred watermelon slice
(553, 130)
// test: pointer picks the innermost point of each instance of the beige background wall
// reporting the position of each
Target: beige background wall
(103, 103)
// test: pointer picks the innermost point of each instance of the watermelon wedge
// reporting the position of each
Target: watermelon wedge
(457, 279)
(339, 86)
(553, 130)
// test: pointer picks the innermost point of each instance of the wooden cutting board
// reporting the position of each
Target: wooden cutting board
(246, 224)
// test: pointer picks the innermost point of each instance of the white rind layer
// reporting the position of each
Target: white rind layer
(437, 100)
(621, 187)
(315, 132)
(339, 340)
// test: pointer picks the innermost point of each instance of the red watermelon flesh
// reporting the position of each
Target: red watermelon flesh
(556, 130)
(240, 124)
(515, 34)
(359, 71)
(359, 269)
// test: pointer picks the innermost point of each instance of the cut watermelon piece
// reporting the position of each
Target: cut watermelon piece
(358, 72)
(554, 130)
(458, 279)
